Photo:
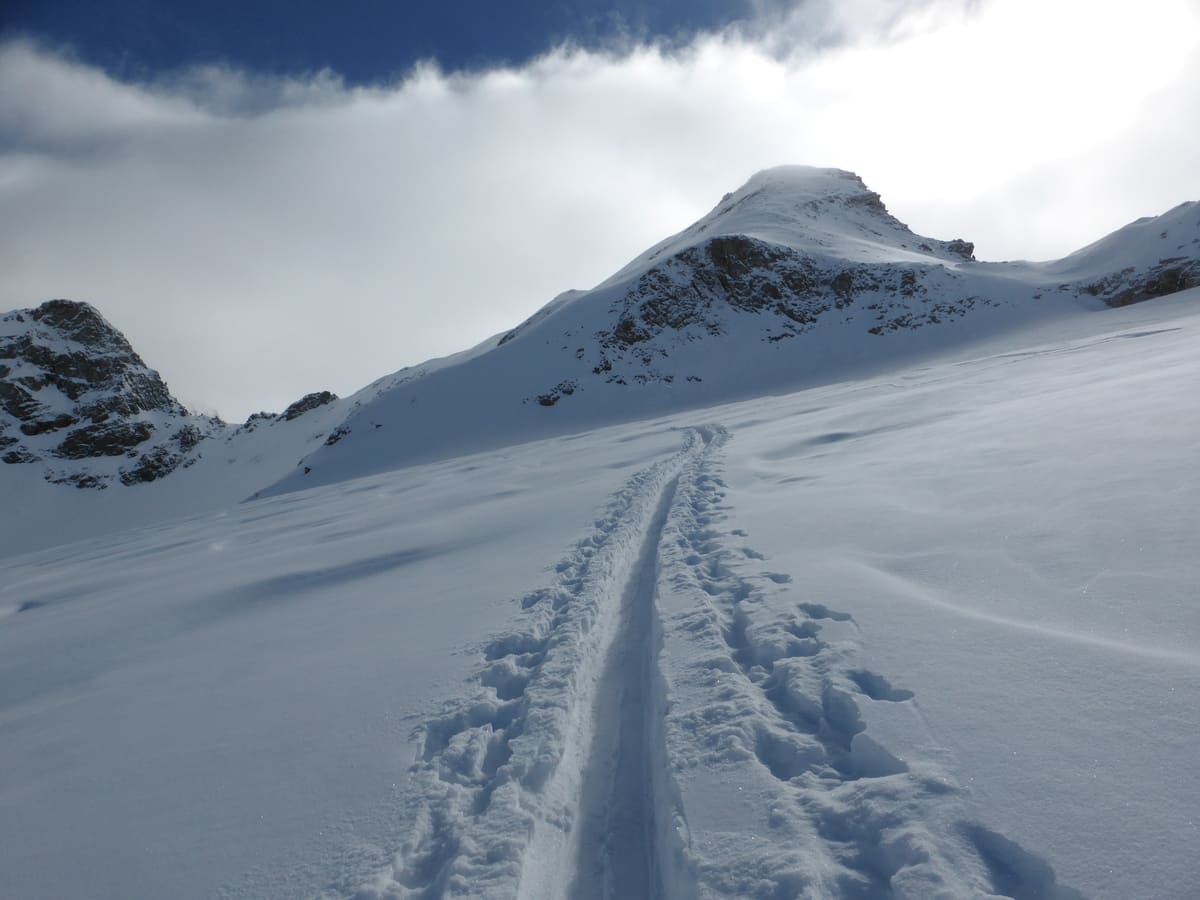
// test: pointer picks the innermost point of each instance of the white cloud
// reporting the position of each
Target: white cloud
(258, 238)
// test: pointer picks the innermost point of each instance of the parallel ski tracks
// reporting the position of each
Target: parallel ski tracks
(521, 786)
(555, 778)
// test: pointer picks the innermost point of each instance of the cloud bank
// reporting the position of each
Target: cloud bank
(258, 238)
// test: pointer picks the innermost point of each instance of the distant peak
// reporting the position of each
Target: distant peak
(821, 212)
(78, 321)
(809, 181)
(814, 178)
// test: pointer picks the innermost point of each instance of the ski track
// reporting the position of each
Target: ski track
(559, 775)
(497, 786)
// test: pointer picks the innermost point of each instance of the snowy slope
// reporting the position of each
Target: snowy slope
(798, 278)
(927, 633)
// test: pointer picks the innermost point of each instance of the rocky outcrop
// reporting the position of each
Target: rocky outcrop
(307, 403)
(107, 439)
(1132, 286)
(73, 390)
(690, 296)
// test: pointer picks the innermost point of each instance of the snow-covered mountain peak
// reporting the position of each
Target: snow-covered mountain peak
(75, 321)
(80, 356)
(799, 276)
(824, 212)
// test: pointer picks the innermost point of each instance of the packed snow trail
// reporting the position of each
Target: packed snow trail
(618, 851)
(494, 797)
(589, 761)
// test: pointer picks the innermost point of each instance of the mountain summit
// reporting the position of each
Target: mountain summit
(798, 277)
(829, 212)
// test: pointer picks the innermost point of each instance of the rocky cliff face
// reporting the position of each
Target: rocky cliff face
(80, 405)
(692, 293)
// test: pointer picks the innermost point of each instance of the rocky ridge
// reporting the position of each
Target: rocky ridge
(79, 403)
(798, 248)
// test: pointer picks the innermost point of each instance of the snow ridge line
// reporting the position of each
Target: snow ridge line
(778, 686)
(494, 795)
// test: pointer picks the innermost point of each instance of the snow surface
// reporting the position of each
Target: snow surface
(924, 631)
(225, 468)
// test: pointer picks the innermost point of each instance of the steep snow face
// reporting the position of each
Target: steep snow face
(800, 277)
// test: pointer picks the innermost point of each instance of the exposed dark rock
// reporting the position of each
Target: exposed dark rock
(65, 365)
(962, 248)
(562, 389)
(307, 403)
(336, 435)
(163, 460)
(19, 455)
(80, 322)
(257, 419)
(740, 272)
(151, 466)
(1168, 277)
(843, 284)
(686, 297)
(108, 439)
(80, 480)
(36, 427)
(188, 437)
(103, 365)
(17, 401)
